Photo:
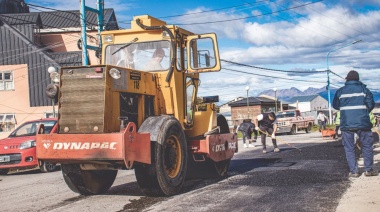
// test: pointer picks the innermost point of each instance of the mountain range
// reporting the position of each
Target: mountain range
(286, 94)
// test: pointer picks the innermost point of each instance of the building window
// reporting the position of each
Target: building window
(6, 81)
(7, 122)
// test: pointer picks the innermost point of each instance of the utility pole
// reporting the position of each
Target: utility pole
(99, 11)
(328, 76)
(247, 88)
(275, 98)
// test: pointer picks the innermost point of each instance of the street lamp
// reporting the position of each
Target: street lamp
(275, 98)
(328, 75)
(247, 88)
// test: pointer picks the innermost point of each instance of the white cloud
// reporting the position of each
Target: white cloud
(309, 40)
(230, 30)
(360, 3)
(316, 29)
(256, 12)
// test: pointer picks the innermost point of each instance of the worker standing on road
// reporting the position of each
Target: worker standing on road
(247, 128)
(322, 119)
(337, 123)
(355, 101)
(267, 123)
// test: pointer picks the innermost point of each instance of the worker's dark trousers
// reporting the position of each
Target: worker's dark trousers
(366, 140)
(248, 135)
(245, 135)
(263, 137)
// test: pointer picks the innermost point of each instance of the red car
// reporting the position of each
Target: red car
(18, 151)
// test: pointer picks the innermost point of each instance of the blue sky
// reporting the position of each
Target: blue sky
(287, 35)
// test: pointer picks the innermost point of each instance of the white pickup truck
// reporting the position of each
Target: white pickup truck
(291, 121)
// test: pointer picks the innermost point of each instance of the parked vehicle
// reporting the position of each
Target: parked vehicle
(291, 121)
(18, 151)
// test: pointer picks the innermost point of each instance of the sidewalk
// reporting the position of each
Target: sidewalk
(364, 193)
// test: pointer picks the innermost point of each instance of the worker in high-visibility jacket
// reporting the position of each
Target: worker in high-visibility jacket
(372, 118)
(337, 123)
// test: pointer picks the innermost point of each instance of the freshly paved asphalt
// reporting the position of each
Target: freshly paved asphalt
(313, 179)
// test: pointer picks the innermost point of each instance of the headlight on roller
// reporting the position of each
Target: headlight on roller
(28, 144)
(108, 38)
(54, 76)
(115, 73)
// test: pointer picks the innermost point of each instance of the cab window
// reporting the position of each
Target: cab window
(145, 56)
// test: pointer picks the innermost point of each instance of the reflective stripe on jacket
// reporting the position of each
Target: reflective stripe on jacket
(355, 102)
(372, 119)
(337, 118)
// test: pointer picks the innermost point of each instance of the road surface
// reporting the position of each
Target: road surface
(313, 179)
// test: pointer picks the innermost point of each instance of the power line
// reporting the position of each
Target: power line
(49, 8)
(340, 22)
(4, 15)
(206, 11)
(271, 76)
(337, 75)
(316, 22)
(307, 28)
(269, 69)
(254, 16)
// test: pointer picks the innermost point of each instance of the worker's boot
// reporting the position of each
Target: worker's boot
(353, 175)
(371, 173)
(276, 149)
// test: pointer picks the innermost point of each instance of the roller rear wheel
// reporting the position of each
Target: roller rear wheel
(87, 182)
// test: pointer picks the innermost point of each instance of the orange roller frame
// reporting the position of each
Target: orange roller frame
(128, 146)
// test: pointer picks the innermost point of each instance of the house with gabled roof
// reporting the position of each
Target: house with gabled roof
(309, 103)
(30, 43)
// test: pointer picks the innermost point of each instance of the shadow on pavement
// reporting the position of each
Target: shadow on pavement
(30, 171)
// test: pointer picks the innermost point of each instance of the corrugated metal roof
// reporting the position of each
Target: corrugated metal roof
(243, 102)
(266, 100)
(68, 58)
(303, 98)
(71, 19)
(22, 18)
